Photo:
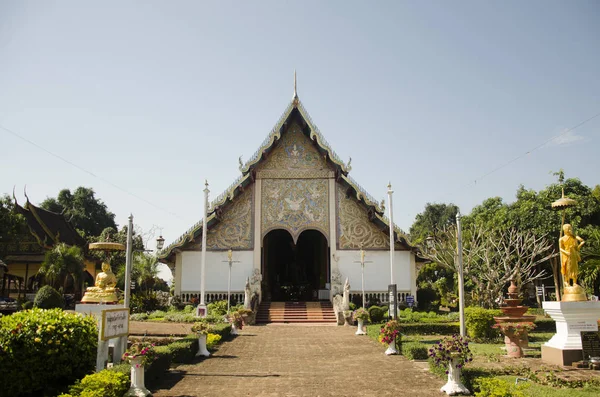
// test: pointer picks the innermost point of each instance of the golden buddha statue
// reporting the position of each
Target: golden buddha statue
(570, 256)
(104, 290)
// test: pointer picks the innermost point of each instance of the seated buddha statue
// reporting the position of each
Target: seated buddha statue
(104, 290)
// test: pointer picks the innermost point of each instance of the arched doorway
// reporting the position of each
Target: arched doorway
(294, 271)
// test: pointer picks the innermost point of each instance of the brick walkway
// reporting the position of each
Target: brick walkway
(295, 360)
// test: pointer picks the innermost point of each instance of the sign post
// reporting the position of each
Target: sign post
(113, 324)
(410, 300)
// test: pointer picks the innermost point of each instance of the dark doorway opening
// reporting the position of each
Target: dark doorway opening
(294, 272)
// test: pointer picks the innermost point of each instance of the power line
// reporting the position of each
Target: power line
(88, 172)
(531, 150)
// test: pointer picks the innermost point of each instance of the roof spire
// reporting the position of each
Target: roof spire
(295, 97)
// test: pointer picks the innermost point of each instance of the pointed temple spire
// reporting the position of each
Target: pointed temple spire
(295, 97)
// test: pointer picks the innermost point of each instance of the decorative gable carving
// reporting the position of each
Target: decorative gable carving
(355, 230)
(236, 228)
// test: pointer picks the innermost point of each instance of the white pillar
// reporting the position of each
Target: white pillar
(203, 257)
(390, 192)
(461, 286)
(128, 258)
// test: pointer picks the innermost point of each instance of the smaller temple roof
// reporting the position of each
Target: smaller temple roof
(49, 227)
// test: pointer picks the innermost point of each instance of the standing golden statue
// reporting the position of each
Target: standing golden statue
(569, 245)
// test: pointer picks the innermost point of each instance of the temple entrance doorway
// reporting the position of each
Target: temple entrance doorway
(295, 272)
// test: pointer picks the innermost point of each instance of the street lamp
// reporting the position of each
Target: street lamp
(231, 262)
(362, 274)
(160, 243)
(461, 282)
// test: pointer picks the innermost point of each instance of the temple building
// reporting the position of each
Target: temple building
(296, 222)
(24, 256)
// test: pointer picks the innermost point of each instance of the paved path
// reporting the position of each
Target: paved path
(287, 360)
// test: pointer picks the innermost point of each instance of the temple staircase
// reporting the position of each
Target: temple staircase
(295, 312)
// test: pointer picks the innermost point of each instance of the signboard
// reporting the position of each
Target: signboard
(393, 296)
(590, 343)
(410, 300)
(115, 323)
(200, 311)
(582, 326)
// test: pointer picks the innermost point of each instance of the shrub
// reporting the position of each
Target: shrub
(138, 317)
(431, 328)
(27, 305)
(178, 317)
(545, 325)
(352, 306)
(48, 298)
(218, 308)
(414, 351)
(162, 362)
(102, 384)
(188, 309)
(157, 314)
(147, 301)
(376, 314)
(479, 321)
(212, 340)
(496, 387)
(45, 350)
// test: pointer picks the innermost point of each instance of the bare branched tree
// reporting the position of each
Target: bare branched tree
(491, 259)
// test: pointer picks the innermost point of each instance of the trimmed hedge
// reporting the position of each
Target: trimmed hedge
(44, 351)
(102, 384)
(48, 298)
(430, 328)
(545, 325)
(479, 321)
(414, 351)
(376, 314)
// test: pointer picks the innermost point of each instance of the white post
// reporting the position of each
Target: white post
(461, 286)
(390, 192)
(229, 288)
(362, 274)
(202, 304)
(128, 258)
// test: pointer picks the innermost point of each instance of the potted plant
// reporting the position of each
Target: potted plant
(202, 329)
(139, 354)
(235, 318)
(514, 334)
(452, 353)
(388, 335)
(360, 315)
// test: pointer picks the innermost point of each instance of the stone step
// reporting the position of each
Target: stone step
(295, 312)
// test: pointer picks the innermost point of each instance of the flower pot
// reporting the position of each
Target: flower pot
(234, 330)
(454, 385)
(391, 349)
(202, 351)
(512, 341)
(137, 379)
(359, 329)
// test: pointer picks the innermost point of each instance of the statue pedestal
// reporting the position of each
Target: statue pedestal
(119, 344)
(571, 318)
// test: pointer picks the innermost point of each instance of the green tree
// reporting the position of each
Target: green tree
(87, 213)
(434, 218)
(12, 225)
(63, 261)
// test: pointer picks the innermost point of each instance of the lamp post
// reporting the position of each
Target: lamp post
(128, 254)
(362, 275)
(231, 262)
(461, 285)
(202, 306)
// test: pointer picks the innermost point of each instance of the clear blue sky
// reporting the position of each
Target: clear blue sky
(156, 96)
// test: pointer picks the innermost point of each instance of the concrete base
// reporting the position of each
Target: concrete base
(94, 309)
(560, 357)
(571, 318)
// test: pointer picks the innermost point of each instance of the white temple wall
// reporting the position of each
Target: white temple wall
(216, 270)
(377, 273)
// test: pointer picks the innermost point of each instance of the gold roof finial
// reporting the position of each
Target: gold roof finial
(295, 98)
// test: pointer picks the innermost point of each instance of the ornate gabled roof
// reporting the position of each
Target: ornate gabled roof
(48, 227)
(247, 177)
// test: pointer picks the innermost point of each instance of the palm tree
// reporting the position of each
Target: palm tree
(63, 261)
(145, 270)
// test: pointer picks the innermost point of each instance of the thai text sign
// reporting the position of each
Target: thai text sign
(115, 323)
(582, 326)
(590, 343)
